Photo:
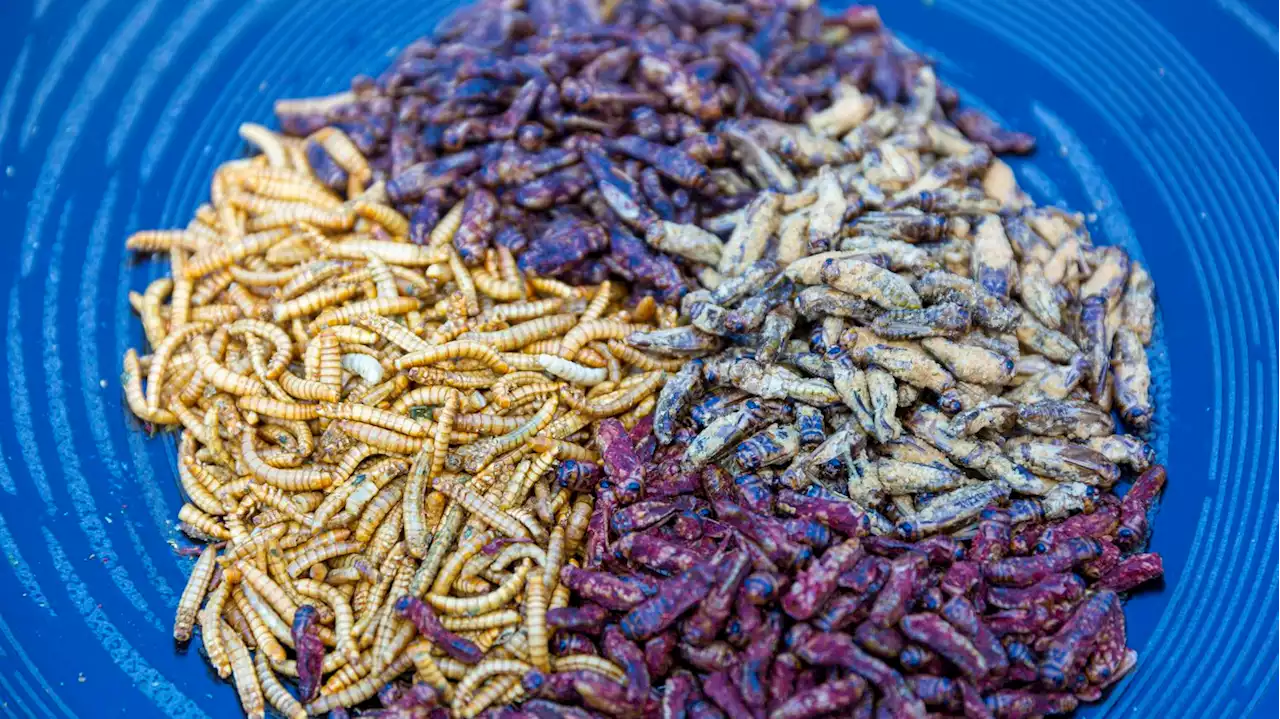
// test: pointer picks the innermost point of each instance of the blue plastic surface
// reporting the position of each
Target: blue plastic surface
(1159, 117)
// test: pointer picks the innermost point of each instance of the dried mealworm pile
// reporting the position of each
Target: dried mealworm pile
(369, 431)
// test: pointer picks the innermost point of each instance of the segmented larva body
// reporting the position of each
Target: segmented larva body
(274, 691)
(485, 603)
(267, 588)
(243, 673)
(343, 622)
(262, 636)
(464, 691)
(460, 349)
(193, 594)
(535, 609)
(589, 663)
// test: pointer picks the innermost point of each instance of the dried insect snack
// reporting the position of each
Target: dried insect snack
(350, 430)
(745, 625)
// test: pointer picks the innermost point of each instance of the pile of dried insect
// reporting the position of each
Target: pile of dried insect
(571, 129)
(908, 338)
(727, 596)
(369, 431)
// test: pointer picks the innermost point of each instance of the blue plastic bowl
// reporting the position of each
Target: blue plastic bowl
(1157, 117)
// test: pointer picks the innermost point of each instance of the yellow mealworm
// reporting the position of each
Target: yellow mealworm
(640, 360)
(361, 690)
(275, 498)
(644, 408)
(369, 482)
(314, 541)
(592, 330)
(485, 603)
(236, 621)
(498, 289)
(599, 302)
(392, 332)
(555, 554)
(219, 376)
(289, 214)
(266, 141)
(351, 334)
(388, 570)
(436, 395)
(374, 416)
(261, 278)
(180, 300)
(571, 371)
(153, 325)
(262, 636)
(277, 626)
(306, 389)
(589, 663)
(348, 674)
(392, 221)
(287, 479)
(554, 287)
(454, 351)
(242, 547)
(525, 333)
(434, 512)
(523, 310)
(426, 669)
(471, 586)
(385, 537)
(465, 549)
(377, 509)
(279, 339)
(488, 448)
(277, 570)
(614, 403)
(559, 597)
(291, 186)
(243, 674)
(313, 301)
(403, 254)
(382, 438)
(343, 621)
(274, 692)
(208, 288)
(488, 668)
(210, 631)
(526, 517)
(379, 306)
(441, 542)
(320, 554)
(135, 397)
(193, 594)
(162, 241)
(223, 255)
(267, 407)
(501, 618)
(514, 552)
(442, 234)
(328, 360)
(197, 491)
(345, 153)
(205, 524)
(268, 590)
(501, 690)
(490, 424)
(521, 362)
